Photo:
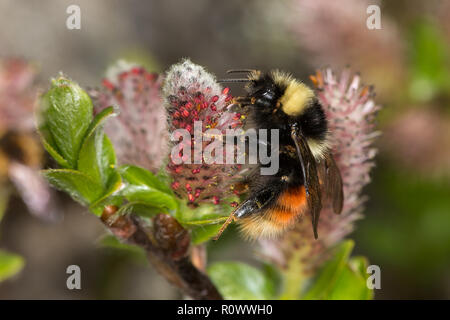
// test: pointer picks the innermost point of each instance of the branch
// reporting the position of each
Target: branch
(166, 244)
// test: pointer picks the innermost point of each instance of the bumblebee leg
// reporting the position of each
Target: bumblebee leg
(230, 219)
(245, 208)
(249, 206)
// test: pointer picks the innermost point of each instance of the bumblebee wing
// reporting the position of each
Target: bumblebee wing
(311, 180)
(331, 179)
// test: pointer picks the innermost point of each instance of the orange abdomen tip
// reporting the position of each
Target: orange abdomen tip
(280, 217)
(293, 199)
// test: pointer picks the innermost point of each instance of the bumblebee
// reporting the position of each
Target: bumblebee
(308, 177)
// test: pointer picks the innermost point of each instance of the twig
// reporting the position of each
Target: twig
(166, 243)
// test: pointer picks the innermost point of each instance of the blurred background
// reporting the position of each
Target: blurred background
(406, 228)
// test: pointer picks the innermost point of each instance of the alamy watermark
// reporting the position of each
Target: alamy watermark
(374, 280)
(373, 21)
(73, 21)
(235, 146)
(74, 280)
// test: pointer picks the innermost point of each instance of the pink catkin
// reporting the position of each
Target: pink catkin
(139, 132)
(351, 113)
(192, 94)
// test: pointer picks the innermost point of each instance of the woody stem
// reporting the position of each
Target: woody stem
(166, 244)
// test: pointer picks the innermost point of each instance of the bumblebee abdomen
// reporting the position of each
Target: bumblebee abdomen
(280, 216)
(292, 199)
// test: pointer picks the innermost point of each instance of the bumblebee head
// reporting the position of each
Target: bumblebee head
(278, 99)
(280, 91)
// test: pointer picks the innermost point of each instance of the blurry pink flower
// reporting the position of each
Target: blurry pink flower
(139, 132)
(419, 139)
(350, 111)
(34, 191)
(335, 33)
(20, 152)
(192, 94)
(18, 94)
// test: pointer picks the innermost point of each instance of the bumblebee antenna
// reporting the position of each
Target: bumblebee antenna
(234, 80)
(241, 70)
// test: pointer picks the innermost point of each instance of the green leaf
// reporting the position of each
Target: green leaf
(359, 266)
(351, 282)
(142, 186)
(164, 178)
(140, 176)
(273, 274)
(204, 221)
(203, 227)
(139, 208)
(97, 158)
(66, 112)
(110, 194)
(209, 219)
(342, 278)
(330, 272)
(78, 185)
(99, 119)
(48, 143)
(10, 265)
(239, 281)
(149, 196)
(204, 233)
(205, 214)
